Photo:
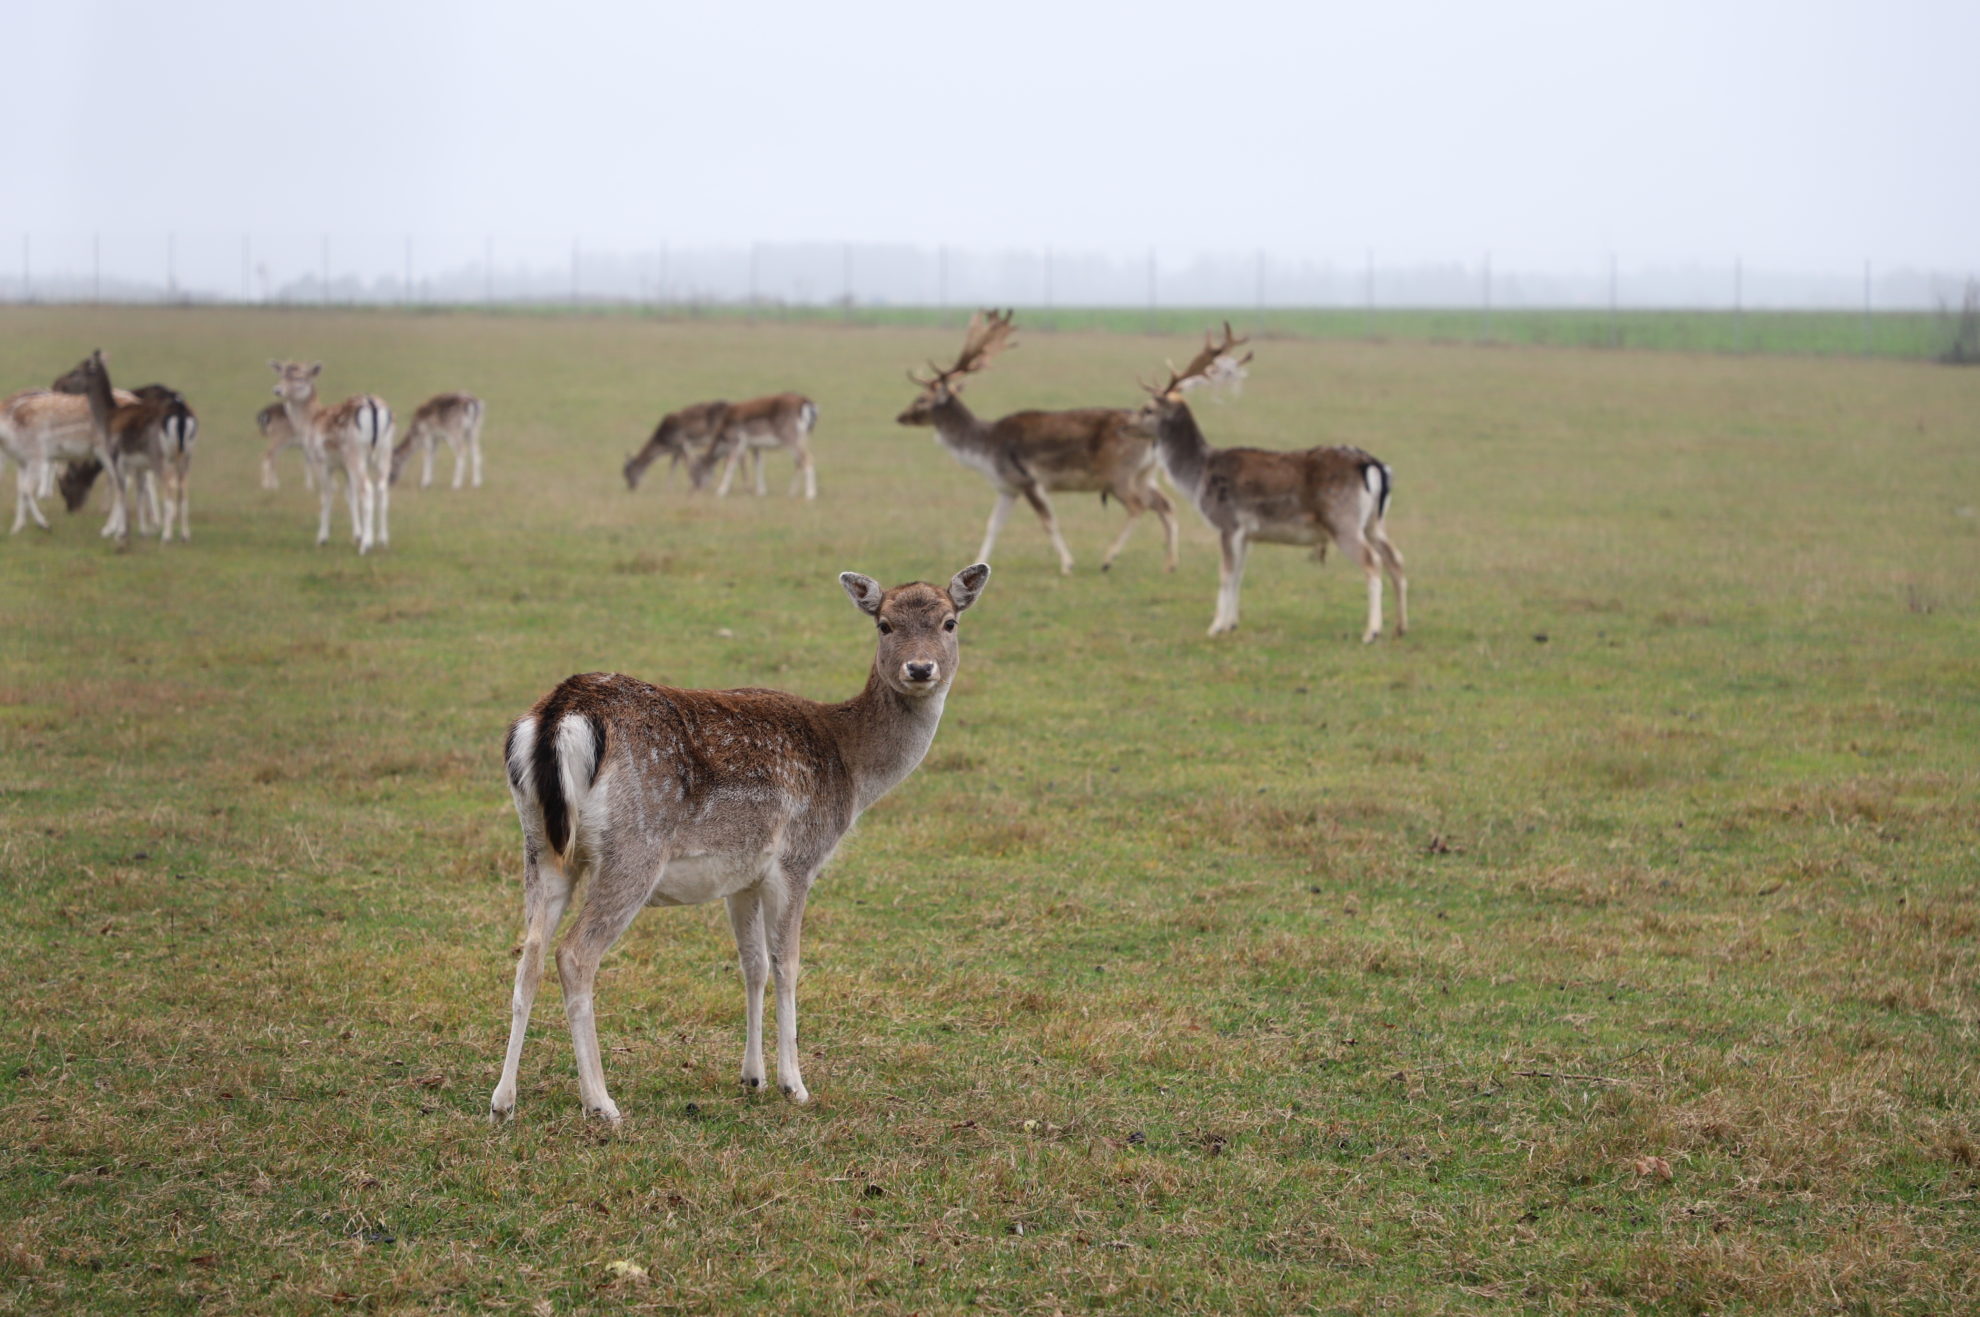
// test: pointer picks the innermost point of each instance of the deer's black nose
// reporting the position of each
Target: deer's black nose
(921, 672)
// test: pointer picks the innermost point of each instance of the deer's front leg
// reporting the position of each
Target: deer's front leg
(782, 898)
(1034, 494)
(752, 954)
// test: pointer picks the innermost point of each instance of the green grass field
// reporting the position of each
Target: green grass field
(1607, 944)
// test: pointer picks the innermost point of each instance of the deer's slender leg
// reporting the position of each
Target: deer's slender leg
(546, 893)
(753, 956)
(1231, 581)
(617, 891)
(1001, 510)
(1034, 494)
(782, 896)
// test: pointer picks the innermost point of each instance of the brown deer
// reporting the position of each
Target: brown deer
(41, 428)
(153, 441)
(273, 422)
(355, 436)
(1032, 453)
(651, 796)
(752, 428)
(452, 417)
(1247, 494)
(681, 435)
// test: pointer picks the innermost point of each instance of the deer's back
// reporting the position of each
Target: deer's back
(737, 773)
(1080, 449)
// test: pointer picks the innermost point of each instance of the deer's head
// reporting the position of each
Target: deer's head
(989, 333)
(295, 382)
(916, 653)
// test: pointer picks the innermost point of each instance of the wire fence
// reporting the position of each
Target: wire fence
(1733, 306)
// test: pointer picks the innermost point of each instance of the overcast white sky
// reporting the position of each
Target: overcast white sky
(1809, 135)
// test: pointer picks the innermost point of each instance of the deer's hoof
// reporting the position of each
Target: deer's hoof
(606, 1112)
(797, 1093)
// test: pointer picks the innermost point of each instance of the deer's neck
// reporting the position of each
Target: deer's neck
(1184, 451)
(302, 413)
(958, 429)
(96, 392)
(883, 735)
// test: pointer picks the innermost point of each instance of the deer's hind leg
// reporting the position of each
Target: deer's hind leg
(615, 892)
(546, 895)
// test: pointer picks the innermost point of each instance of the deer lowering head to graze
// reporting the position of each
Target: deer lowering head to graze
(452, 417)
(1031, 454)
(680, 436)
(41, 429)
(647, 795)
(354, 437)
(152, 438)
(1247, 494)
(754, 427)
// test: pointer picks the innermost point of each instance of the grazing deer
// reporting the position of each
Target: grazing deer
(40, 428)
(1247, 494)
(453, 417)
(152, 439)
(653, 796)
(681, 435)
(273, 422)
(356, 436)
(754, 427)
(1032, 453)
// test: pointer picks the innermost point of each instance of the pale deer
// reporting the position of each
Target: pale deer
(1033, 453)
(355, 436)
(273, 422)
(40, 429)
(452, 417)
(152, 439)
(681, 436)
(651, 796)
(1246, 494)
(754, 427)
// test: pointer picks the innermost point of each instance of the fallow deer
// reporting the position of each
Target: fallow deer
(754, 427)
(453, 417)
(152, 439)
(1246, 494)
(40, 428)
(1032, 453)
(651, 796)
(273, 422)
(681, 436)
(354, 436)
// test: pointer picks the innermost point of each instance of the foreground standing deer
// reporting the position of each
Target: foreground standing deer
(355, 436)
(654, 796)
(1032, 453)
(452, 417)
(1246, 494)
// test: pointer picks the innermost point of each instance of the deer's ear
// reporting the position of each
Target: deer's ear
(865, 591)
(316, 370)
(967, 584)
(275, 365)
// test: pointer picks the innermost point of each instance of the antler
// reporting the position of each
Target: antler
(1200, 365)
(989, 333)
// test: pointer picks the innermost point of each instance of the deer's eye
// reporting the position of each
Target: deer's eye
(949, 625)
(885, 629)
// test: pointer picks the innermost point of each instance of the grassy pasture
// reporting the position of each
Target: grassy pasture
(1609, 943)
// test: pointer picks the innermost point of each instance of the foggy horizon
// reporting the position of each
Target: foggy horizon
(1764, 153)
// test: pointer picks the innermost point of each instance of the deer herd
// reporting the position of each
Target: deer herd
(143, 441)
(643, 795)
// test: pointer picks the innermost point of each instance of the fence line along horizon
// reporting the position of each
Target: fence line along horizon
(452, 271)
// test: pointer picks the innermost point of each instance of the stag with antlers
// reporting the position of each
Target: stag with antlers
(1329, 493)
(1032, 454)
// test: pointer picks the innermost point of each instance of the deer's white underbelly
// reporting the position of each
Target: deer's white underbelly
(709, 876)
